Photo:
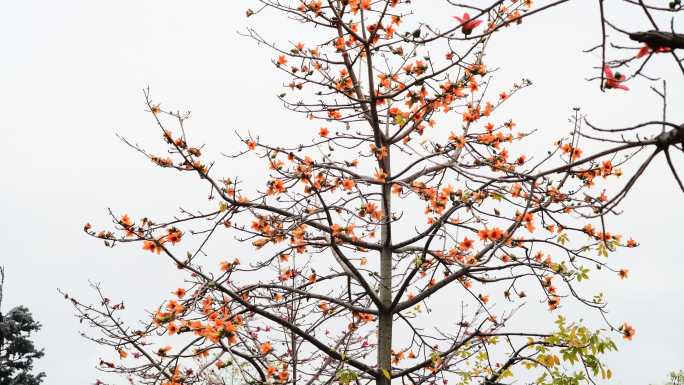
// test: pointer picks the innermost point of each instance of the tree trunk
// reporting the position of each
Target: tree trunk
(385, 293)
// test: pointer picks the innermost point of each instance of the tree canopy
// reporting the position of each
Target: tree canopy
(402, 240)
(17, 351)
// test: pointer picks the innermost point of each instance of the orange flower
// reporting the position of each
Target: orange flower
(553, 303)
(266, 348)
(466, 244)
(339, 43)
(174, 235)
(161, 317)
(325, 308)
(175, 307)
(397, 189)
(458, 141)
(380, 153)
(278, 186)
(575, 153)
(397, 357)
(489, 107)
(172, 328)
(196, 325)
(287, 274)
(380, 175)
(126, 221)
(164, 350)
(323, 132)
(152, 246)
(336, 229)
(180, 292)
(348, 184)
(627, 331)
(334, 114)
(606, 167)
(364, 317)
(225, 266)
(623, 273)
(282, 60)
(495, 234)
(259, 243)
(251, 144)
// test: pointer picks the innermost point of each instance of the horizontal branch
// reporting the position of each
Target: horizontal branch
(659, 39)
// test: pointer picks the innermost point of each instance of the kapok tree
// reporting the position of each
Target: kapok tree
(400, 243)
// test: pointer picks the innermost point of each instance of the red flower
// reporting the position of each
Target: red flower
(614, 80)
(466, 244)
(467, 25)
(646, 50)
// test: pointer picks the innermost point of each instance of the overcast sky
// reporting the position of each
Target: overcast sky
(71, 76)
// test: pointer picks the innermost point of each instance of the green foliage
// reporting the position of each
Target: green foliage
(582, 274)
(675, 378)
(346, 377)
(572, 344)
(17, 351)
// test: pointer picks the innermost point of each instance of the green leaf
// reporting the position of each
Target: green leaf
(582, 274)
(346, 377)
(223, 206)
(399, 120)
(602, 250)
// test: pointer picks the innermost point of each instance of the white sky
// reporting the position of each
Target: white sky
(71, 76)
